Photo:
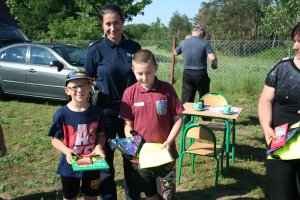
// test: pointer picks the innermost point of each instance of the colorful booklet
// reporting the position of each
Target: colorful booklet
(281, 133)
(293, 130)
(86, 163)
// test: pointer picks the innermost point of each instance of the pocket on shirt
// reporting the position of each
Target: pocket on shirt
(161, 107)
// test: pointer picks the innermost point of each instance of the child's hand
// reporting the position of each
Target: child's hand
(98, 151)
(166, 145)
(69, 155)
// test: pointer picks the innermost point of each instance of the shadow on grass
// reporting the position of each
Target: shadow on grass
(250, 120)
(250, 153)
(244, 187)
(52, 195)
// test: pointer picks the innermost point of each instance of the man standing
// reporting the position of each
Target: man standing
(195, 51)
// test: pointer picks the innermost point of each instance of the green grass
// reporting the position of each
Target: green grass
(28, 170)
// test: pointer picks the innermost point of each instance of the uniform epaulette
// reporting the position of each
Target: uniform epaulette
(95, 42)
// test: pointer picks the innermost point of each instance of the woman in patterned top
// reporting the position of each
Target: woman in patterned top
(279, 103)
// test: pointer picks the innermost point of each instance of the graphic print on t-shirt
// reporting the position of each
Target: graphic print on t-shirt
(83, 140)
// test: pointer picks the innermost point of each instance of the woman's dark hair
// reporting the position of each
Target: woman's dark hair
(296, 30)
(110, 8)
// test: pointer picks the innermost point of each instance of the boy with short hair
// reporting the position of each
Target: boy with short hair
(151, 107)
(78, 129)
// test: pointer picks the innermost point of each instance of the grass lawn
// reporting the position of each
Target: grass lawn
(28, 170)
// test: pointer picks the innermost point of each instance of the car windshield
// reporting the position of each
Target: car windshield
(73, 55)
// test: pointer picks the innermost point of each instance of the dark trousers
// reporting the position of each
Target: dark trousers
(113, 126)
(193, 81)
(283, 179)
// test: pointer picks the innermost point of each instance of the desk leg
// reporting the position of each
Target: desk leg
(233, 141)
(227, 124)
(181, 135)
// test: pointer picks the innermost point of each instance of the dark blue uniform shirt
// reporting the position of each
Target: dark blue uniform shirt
(111, 64)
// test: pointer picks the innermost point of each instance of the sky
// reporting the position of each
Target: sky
(164, 9)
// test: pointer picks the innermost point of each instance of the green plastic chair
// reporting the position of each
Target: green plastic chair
(203, 143)
(218, 99)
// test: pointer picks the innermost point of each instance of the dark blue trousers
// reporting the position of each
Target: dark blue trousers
(113, 126)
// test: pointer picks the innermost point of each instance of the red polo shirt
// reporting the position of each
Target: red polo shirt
(152, 111)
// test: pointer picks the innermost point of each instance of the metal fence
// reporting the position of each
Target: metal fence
(242, 65)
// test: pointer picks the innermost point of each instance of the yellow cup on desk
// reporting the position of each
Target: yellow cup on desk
(198, 105)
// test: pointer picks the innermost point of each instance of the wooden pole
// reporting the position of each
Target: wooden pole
(173, 62)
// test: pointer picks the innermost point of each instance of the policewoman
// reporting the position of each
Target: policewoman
(109, 62)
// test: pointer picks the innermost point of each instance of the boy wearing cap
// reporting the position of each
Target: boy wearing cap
(195, 51)
(152, 108)
(78, 129)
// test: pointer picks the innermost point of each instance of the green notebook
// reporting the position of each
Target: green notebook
(98, 163)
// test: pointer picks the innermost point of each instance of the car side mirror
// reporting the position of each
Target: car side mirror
(56, 63)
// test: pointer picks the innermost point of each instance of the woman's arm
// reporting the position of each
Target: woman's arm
(265, 105)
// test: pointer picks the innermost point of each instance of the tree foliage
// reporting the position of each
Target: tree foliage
(136, 31)
(232, 19)
(66, 18)
(180, 25)
(224, 19)
(280, 17)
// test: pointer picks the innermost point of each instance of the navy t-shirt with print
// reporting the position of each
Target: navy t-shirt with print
(78, 131)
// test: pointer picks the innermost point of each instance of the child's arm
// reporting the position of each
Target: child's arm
(174, 132)
(3, 149)
(60, 146)
(99, 148)
(128, 127)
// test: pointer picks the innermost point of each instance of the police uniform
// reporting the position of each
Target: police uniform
(110, 65)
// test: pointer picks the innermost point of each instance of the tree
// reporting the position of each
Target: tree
(66, 18)
(179, 25)
(136, 31)
(33, 16)
(232, 19)
(280, 17)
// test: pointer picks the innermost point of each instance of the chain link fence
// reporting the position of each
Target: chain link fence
(242, 65)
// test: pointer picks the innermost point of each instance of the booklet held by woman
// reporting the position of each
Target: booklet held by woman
(281, 133)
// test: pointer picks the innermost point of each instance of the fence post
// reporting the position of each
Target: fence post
(173, 62)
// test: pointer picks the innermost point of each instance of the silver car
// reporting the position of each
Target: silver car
(38, 70)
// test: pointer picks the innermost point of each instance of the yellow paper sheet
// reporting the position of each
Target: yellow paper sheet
(152, 155)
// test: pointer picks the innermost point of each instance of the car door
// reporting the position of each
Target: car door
(43, 80)
(12, 70)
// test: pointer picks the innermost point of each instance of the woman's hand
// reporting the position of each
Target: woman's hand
(269, 135)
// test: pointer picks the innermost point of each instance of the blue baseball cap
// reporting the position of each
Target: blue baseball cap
(78, 74)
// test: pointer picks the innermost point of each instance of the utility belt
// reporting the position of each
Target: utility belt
(105, 101)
